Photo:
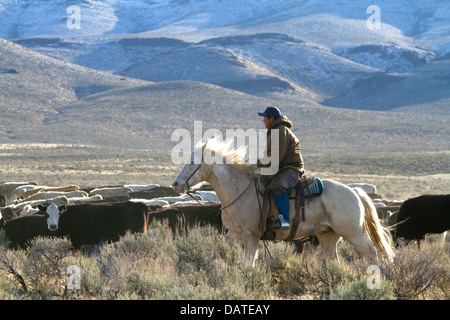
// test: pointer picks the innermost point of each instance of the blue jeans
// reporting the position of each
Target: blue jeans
(282, 205)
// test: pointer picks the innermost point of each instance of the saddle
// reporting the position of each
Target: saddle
(306, 188)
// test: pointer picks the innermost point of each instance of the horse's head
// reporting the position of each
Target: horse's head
(189, 176)
(194, 172)
(209, 159)
(52, 212)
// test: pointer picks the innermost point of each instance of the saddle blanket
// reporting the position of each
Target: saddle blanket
(314, 187)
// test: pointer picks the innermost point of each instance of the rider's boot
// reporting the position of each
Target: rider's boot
(282, 206)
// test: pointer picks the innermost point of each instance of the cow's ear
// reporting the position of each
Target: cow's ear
(41, 207)
(62, 209)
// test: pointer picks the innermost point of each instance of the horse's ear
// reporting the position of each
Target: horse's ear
(199, 149)
(204, 147)
(201, 144)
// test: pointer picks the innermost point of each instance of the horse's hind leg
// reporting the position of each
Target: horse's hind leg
(328, 242)
(363, 246)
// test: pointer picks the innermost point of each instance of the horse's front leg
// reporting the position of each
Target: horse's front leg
(250, 243)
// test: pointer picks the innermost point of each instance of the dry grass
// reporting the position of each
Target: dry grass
(397, 176)
(200, 266)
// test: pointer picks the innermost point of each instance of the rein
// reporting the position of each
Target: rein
(190, 192)
(238, 196)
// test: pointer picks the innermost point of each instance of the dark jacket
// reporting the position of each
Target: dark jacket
(289, 146)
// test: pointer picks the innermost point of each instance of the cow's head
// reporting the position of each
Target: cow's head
(52, 213)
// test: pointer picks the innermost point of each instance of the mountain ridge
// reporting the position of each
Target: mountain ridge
(129, 113)
(288, 50)
(137, 70)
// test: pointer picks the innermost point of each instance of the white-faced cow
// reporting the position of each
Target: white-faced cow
(21, 230)
(422, 215)
(90, 224)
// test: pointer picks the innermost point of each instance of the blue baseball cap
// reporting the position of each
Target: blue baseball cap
(271, 112)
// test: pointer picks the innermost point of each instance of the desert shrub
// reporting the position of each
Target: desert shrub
(156, 243)
(7, 289)
(413, 271)
(310, 275)
(199, 265)
(194, 254)
(321, 277)
(285, 266)
(45, 265)
(145, 285)
(201, 249)
(277, 255)
(347, 252)
(94, 283)
(359, 290)
(116, 265)
(13, 284)
(205, 261)
(38, 272)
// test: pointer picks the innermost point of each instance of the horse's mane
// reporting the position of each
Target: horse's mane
(237, 157)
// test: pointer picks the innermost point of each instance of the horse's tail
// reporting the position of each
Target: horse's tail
(379, 235)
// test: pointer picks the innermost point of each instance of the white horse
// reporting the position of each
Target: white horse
(339, 212)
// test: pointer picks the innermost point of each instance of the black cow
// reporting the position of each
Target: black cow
(172, 216)
(422, 215)
(8, 213)
(90, 224)
(181, 218)
(157, 192)
(203, 215)
(21, 230)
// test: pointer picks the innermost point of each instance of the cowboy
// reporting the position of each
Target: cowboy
(290, 163)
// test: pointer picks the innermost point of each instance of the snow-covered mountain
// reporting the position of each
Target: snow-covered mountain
(311, 50)
(37, 18)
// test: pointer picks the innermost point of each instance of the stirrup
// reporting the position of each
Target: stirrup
(280, 223)
(284, 223)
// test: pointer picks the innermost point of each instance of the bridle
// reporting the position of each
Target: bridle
(192, 174)
(190, 192)
(196, 169)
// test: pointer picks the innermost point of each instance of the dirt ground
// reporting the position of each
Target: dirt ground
(91, 166)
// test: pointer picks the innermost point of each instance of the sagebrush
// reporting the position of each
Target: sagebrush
(200, 266)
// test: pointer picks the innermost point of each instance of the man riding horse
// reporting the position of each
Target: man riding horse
(291, 166)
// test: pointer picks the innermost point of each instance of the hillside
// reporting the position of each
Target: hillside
(308, 51)
(100, 103)
(47, 100)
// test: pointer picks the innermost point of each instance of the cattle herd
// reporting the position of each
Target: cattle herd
(90, 216)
